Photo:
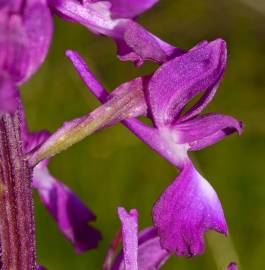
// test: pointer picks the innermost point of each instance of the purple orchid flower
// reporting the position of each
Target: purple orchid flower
(143, 251)
(70, 214)
(189, 206)
(113, 18)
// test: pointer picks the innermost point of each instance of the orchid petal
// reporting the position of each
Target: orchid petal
(138, 45)
(137, 86)
(129, 223)
(96, 16)
(179, 80)
(69, 212)
(8, 95)
(185, 211)
(14, 53)
(201, 131)
(38, 26)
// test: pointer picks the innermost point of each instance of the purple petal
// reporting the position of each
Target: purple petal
(130, 8)
(202, 131)
(175, 83)
(149, 255)
(186, 210)
(8, 95)
(150, 136)
(129, 223)
(95, 16)
(14, 56)
(38, 26)
(69, 212)
(137, 45)
(137, 86)
(232, 266)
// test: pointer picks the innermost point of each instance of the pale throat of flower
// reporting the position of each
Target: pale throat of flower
(170, 145)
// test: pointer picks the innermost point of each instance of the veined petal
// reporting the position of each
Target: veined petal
(185, 211)
(8, 95)
(176, 82)
(201, 131)
(232, 266)
(69, 212)
(38, 26)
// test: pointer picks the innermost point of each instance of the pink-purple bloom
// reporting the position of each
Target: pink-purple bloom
(189, 206)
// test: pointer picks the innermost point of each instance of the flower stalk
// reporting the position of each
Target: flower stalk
(16, 205)
(114, 110)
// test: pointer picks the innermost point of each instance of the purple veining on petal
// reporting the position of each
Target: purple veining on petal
(185, 211)
(232, 266)
(177, 81)
(68, 211)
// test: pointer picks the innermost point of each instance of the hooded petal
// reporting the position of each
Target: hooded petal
(130, 8)
(232, 266)
(202, 131)
(176, 82)
(144, 250)
(69, 212)
(185, 211)
(8, 94)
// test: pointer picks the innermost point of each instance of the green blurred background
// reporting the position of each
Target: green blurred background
(113, 167)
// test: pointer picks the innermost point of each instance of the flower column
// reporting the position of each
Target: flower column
(16, 206)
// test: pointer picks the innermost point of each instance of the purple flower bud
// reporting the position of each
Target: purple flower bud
(140, 252)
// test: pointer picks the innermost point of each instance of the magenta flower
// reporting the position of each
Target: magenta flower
(140, 251)
(189, 206)
(114, 19)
